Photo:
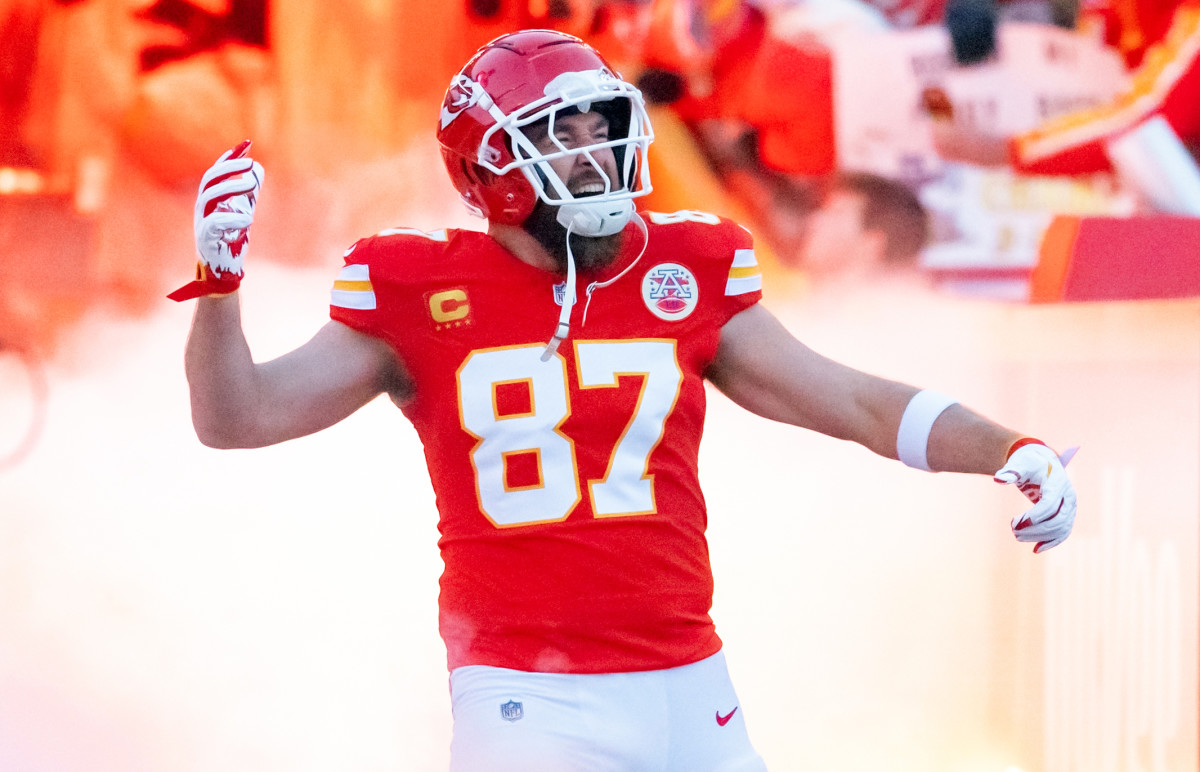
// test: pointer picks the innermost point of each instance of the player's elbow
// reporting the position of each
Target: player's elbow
(222, 432)
(212, 437)
(216, 441)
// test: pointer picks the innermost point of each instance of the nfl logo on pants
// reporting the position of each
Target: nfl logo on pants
(511, 711)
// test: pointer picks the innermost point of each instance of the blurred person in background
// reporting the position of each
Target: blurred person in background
(754, 82)
(562, 443)
(736, 63)
(972, 24)
(838, 228)
(769, 65)
(864, 225)
(1159, 41)
(775, 149)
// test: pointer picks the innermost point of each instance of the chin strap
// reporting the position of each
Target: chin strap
(569, 294)
(637, 218)
(564, 316)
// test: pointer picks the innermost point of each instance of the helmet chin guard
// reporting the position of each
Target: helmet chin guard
(595, 218)
(536, 76)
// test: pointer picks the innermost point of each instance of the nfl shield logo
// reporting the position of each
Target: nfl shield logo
(511, 711)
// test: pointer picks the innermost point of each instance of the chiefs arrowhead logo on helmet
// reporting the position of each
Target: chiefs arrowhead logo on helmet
(461, 95)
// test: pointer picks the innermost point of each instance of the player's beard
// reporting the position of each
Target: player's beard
(591, 253)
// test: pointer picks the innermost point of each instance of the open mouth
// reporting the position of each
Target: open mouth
(586, 189)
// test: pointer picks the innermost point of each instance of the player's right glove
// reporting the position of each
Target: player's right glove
(221, 220)
(1039, 473)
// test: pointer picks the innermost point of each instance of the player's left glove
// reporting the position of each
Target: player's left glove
(1039, 473)
(221, 221)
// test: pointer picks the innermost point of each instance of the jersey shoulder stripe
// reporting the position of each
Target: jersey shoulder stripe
(353, 289)
(385, 257)
(744, 273)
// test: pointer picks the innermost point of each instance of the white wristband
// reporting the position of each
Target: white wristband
(913, 437)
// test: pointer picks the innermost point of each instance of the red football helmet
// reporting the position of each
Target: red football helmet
(530, 76)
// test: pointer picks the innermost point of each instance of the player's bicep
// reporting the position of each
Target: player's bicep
(325, 380)
(761, 366)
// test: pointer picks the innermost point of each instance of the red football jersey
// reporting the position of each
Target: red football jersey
(571, 517)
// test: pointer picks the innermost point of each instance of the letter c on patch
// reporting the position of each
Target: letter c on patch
(448, 306)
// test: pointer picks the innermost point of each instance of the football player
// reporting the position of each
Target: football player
(554, 369)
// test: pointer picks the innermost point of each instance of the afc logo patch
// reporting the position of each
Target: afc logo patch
(512, 711)
(670, 291)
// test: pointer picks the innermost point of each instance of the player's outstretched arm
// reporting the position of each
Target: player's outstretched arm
(763, 368)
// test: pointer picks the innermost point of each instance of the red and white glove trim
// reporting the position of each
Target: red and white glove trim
(1040, 474)
(222, 218)
(207, 284)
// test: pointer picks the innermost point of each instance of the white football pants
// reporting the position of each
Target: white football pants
(684, 719)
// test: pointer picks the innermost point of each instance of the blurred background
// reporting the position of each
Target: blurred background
(994, 198)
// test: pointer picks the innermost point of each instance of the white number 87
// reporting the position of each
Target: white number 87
(625, 489)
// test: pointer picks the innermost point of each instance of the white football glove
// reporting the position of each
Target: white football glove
(221, 221)
(1039, 473)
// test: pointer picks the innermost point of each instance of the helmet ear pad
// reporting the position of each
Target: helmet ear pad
(504, 199)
